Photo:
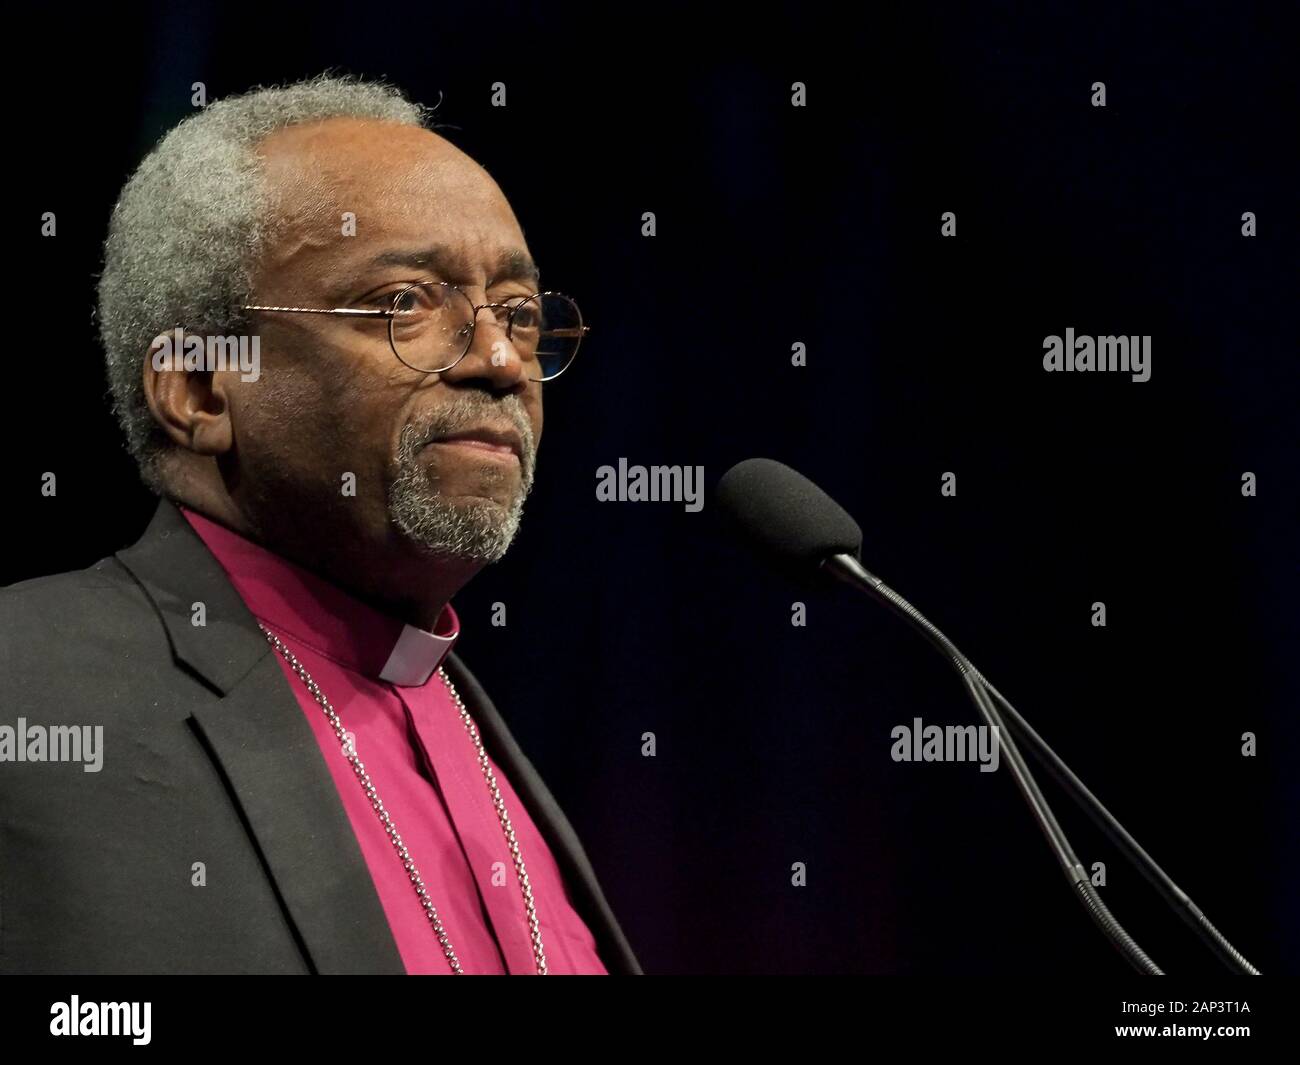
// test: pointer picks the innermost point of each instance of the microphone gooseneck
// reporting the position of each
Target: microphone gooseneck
(852, 572)
(801, 529)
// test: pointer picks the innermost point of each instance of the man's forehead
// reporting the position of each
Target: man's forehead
(412, 197)
(351, 141)
(373, 163)
(509, 264)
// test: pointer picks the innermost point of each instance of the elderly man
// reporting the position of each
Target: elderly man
(297, 772)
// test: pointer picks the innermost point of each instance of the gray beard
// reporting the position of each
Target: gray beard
(481, 531)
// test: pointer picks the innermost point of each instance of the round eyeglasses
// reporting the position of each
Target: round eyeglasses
(431, 327)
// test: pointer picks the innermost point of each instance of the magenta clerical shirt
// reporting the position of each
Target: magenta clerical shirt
(381, 676)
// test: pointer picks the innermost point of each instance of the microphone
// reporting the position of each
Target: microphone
(785, 516)
(802, 531)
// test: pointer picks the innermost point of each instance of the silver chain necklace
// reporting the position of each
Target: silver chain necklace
(408, 863)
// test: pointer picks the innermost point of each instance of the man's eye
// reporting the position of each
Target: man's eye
(411, 300)
(528, 317)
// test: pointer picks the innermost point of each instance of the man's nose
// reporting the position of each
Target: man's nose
(491, 356)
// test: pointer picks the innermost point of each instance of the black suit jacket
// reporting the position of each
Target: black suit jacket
(207, 757)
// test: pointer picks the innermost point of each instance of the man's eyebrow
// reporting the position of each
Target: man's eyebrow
(516, 266)
(512, 266)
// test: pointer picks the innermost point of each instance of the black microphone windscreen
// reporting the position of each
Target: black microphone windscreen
(786, 516)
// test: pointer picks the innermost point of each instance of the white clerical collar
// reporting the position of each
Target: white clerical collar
(415, 656)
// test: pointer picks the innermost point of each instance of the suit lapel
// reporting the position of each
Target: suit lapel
(588, 898)
(265, 749)
(268, 754)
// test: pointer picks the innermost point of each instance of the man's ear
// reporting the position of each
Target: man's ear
(191, 406)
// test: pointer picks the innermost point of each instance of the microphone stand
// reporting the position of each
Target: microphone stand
(848, 569)
(1177, 899)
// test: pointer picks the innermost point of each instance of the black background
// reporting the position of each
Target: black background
(821, 224)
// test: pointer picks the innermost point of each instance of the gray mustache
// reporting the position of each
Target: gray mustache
(459, 415)
(464, 412)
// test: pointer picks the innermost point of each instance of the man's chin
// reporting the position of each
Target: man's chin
(476, 501)
(474, 528)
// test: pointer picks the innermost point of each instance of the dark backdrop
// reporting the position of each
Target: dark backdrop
(821, 225)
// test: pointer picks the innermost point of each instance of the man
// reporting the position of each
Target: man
(296, 772)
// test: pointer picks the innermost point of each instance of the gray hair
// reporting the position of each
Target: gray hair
(187, 229)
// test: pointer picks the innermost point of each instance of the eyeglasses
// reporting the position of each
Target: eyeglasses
(431, 326)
